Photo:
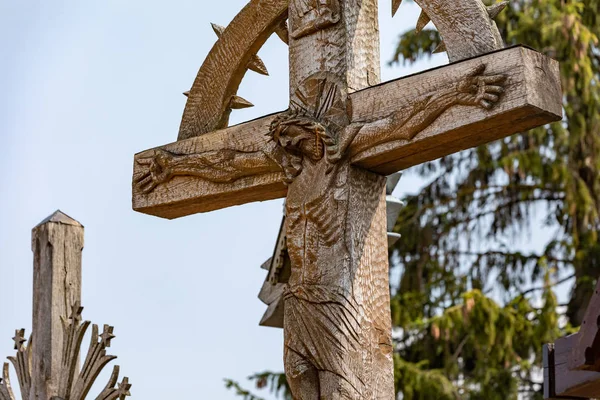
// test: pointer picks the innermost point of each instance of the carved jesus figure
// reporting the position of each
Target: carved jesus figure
(323, 324)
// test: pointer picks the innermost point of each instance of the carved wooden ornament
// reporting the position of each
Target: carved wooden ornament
(47, 367)
(74, 383)
(327, 153)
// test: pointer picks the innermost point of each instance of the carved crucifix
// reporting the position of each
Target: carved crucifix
(328, 154)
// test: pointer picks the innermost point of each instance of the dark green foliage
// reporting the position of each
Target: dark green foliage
(460, 230)
(471, 313)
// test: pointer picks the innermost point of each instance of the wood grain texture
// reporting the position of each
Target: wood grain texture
(6, 391)
(466, 27)
(209, 103)
(278, 275)
(183, 196)
(47, 367)
(532, 97)
(337, 323)
(279, 265)
(348, 49)
(57, 244)
(22, 364)
(75, 384)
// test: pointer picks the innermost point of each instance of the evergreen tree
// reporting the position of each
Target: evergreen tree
(471, 315)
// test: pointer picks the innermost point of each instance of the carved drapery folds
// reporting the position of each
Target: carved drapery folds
(73, 384)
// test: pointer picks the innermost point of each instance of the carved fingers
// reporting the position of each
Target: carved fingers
(477, 71)
(159, 171)
(480, 90)
(489, 90)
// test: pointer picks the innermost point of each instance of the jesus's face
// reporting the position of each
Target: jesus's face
(306, 141)
(312, 148)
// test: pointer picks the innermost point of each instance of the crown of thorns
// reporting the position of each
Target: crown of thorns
(323, 137)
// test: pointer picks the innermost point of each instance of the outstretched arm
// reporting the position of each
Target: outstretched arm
(220, 166)
(475, 89)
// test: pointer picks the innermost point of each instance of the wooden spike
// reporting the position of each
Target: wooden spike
(422, 22)
(395, 6)
(257, 65)
(186, 94)
(282, 31)
(238, 103)
(441, 48)
(496, 9)
(218, 29)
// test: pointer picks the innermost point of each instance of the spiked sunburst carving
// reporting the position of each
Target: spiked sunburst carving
(463, 25)
(73, 384)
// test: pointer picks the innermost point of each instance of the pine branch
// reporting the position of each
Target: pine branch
(533, 257)
(483, 197)
(239, 391)
(548, 286)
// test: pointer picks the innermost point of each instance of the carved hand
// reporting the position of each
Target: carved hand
(159, 170)
(476, 89)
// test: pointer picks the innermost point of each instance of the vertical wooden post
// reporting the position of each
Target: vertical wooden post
(57, 243)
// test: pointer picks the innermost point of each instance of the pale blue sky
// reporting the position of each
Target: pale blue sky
(85, 85)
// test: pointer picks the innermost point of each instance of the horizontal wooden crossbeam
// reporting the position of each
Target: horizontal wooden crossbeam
(532, 98)
(189, 195)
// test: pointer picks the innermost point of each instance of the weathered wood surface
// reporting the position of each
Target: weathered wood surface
(279, 265)
(531, 98)
(210, 99)
(466, 26)
(337, 322)
(572, 363)
(57, 244)
(278, 274)
(47, 368)
(184, 196)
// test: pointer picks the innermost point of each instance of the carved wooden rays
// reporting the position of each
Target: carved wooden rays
(73, 384)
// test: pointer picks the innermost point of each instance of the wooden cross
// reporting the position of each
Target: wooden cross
(328, 154)
(47, 367)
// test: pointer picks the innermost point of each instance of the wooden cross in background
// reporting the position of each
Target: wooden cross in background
(328, 154)
(48, 367)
